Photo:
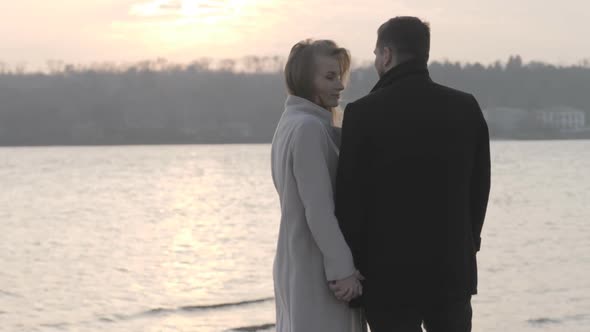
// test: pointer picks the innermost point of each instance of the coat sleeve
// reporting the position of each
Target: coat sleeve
(480, 181)
(314, 185)
(349, 186)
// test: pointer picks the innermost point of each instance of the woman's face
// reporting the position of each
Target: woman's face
(327, 81)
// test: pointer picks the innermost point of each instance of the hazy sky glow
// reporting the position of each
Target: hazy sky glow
(75, 31)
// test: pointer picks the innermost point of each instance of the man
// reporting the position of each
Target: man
(412, 189)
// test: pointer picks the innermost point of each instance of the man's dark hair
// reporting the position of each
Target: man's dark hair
(407, 36)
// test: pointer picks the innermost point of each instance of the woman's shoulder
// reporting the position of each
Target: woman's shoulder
(303, 115)
(307, 124)
(308, 111)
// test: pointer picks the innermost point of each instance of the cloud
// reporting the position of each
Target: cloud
(169, 8)
(172, 5)
(211, 4)
(157, 8)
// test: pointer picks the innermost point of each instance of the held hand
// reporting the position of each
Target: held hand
(348, 288)
(359, 276)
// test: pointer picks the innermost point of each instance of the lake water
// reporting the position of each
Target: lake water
(182, 238)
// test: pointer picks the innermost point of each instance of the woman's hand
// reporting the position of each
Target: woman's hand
(348, 288)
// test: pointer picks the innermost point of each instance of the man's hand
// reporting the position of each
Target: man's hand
(347, 288)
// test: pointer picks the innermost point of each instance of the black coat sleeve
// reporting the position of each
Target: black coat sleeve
(349, 185)
(480, 182)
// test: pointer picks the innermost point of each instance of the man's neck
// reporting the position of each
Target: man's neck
(403, 69)
(396, 62)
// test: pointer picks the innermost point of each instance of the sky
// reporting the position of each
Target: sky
(33, 32)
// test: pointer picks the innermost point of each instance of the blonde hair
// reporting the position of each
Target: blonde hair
(300, 66)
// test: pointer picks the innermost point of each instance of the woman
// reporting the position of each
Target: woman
(311, 250)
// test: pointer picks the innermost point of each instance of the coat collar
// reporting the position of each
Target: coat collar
(405, 69)
(302, 104)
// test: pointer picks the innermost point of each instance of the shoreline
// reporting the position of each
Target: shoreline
(253, 142)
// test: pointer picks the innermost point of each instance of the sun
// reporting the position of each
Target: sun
(173, 25)
(211, 8)
(194, 9)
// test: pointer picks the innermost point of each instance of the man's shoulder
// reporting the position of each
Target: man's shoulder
(371, 98)
(367, 102)
(456, 93)
(434, 89)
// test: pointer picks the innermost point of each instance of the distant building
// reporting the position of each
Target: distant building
(562, 118)
(505, 121)
(241, 129)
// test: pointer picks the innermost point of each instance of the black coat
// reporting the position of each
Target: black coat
(412, 186)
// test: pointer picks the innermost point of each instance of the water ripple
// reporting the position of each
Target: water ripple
(5, 293)
(253, 328)
(544, 321)
(168, 311)
(225, 305)
(56, 325)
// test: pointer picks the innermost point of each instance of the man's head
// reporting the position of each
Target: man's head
(401, 39)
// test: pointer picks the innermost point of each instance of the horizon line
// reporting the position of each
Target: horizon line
(220, 63)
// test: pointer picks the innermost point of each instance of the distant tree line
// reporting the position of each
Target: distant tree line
(227, 101)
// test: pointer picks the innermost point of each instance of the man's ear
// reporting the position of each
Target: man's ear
(388, 56)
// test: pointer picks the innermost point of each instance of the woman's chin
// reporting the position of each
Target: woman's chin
(333, 104)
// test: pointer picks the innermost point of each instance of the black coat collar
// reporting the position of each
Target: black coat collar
(408, 68)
